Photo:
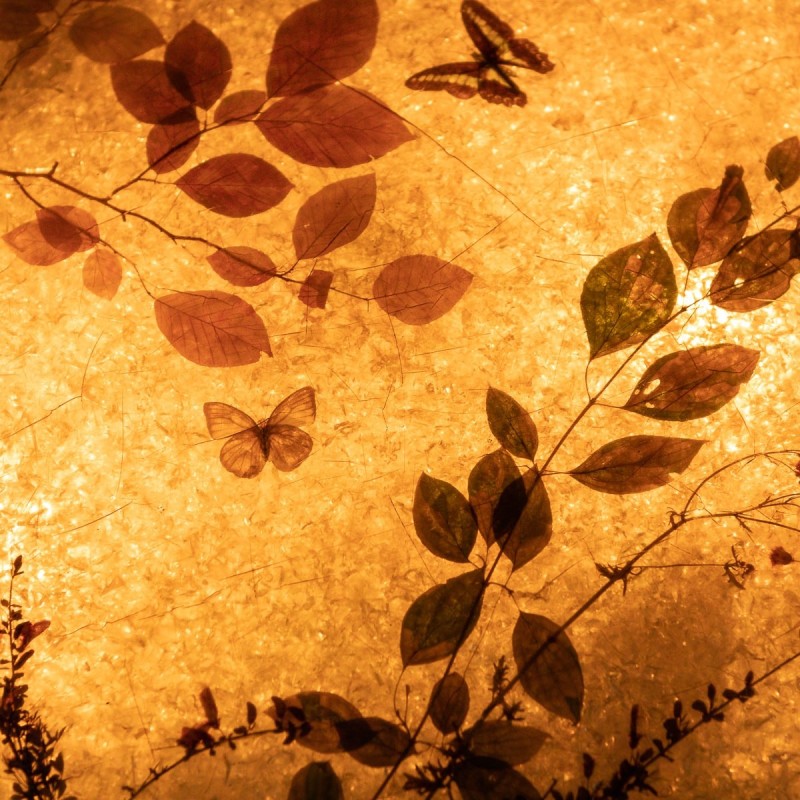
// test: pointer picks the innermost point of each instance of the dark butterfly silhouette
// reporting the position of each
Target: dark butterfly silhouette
(277, 439)
(487, 74)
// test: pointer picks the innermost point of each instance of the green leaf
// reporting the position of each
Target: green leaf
(554, 679)
(449, 703)
(316, 781)
(628, 296)
(511, 424)
(692, 383)
(441, 619)
(504, 741)
(443, 519)
(374, 741)
(492, 780)
(783, 163)
(705, 224)
(489, 478)
(636, 463)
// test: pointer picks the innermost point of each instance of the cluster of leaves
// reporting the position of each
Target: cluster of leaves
(31, 755)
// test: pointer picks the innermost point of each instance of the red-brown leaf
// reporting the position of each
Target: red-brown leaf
(333, 127)
(198, 64)
(242, 266)
(240, 107)
(113, 34)
(315, 288)
(209, 707)
(172, 142)
(17, 20)
(334, 216)
(213, 329)
(236, 185)
(102, 273)
(783, 163)
(321, 43)
(144, 90)
(68, 228)
(419, 289)
(29, 243)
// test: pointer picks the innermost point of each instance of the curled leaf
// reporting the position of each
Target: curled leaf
(692, 383)
(511, 424)
(209, 707)
(449, 703)
(488, 480)
(502, 740)
(145, 91)
(316, 781)
(171, 143)
(420, 289)
(443, 519)
(113, 34)
(550, 671)
(315, 288)
(242, 266)
(373, 741)
(483, 779)
(783, 163)
(102, 273)
(213, 329)
(240, 107)
(636, 463)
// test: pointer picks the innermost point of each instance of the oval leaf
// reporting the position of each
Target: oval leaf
(783, 163)
(235, 185)
(315, 288)
(334, 216)
(172, 142)
(240, 107)
(313, 718)
(554, 679)
(705, 224)
(501, 740)
(113, 34)
(213, 329)
(30, 244)
(488, 480)
(332, 127)
(144, 90)
(321, 43)
(511, 424)
(441, 619)
(449, 703)
(636, 463)
(758, 272)
(316, 781)
(443, 519)
(492, 780)
(374, 741)
(420, 289)
(628, 296)
(102, 273)
(68, 228)
(692, 383)
(242, 266)
(198, 64)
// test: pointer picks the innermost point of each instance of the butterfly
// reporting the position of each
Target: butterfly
(487, 74)
(277, 439)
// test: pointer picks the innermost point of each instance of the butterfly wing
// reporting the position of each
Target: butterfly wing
(496, 92)
(460, 79)
(488, 32)
(224, 420)
(243, 454)
(299, 408)
(530, 56)
(287, 446)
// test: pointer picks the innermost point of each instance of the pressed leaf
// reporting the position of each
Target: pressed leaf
(144, 90)
(636, 463)
(443, 519)
(420, 289)
(322, 712)
(501, 740)
(705, 224)
(235, 185)
(332, 127)
(209, 707)
(321, 43)
(316, 781)
(242, 266)
(102, 273)
(758, 272)
(628, 296)
(373, 741)
(334, 216)
(692, 383)
(488, 480)
(488, 779)
(449, 703)
(171, 143)
(213, 329)
(68, 228)
(783, 163)
(554, 679)
(240, 107)
(315, 288)
(441, 618)
(511, 424)
(112, 34)
(198, 64)
(30, 244)
(17, 20)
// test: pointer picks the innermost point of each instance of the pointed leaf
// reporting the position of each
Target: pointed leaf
(30, 244)
(758, 272)
(322, 712)
(489, 479)
(692, 383)
(316, 781)
(213, 329)
(315, 288)
(443, 519)
(209, 707)
(705, 224)
(321, 43)
(334, 216)
(113, 34)
(501, 740)
(171, 143)
(628, 296)
(554, 679)
(449, 703)
(374, 741)
(144, 90)
(479, 779)
(240, 107)
(522, 519)
(636, 463)
(236, 185)
(198, 64)
(441, 619)
(242, 266)
(68, 228)
(332, 127)
(102, 273)
(420, 289)
(783, 163)
(511, 424)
